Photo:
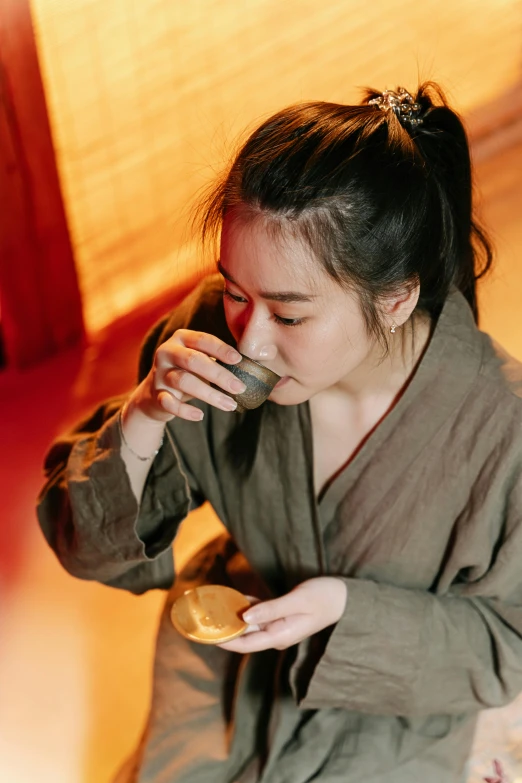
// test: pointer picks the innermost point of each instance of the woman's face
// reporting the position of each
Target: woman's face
(286, 312)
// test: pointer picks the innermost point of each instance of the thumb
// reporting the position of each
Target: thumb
(268, 611)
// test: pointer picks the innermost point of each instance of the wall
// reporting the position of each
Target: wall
(146, 99)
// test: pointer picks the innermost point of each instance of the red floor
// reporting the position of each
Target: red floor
(75, 657)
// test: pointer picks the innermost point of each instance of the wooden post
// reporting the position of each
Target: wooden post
(39, 296)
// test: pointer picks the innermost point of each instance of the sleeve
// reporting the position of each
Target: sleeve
(87, 510)
(90, 517)
(412, 653)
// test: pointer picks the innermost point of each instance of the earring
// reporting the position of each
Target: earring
(393, 328)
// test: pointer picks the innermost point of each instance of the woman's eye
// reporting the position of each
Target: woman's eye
(288, 321)
(232, 296)
(279, 319)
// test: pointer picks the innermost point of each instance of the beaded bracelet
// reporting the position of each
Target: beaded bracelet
(129, 448)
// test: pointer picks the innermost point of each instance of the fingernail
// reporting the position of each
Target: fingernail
(233, 355)
(249, 617)
(197, 415)
(228, 403)
(237, 385)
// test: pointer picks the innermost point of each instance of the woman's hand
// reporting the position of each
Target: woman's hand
(283, 622)
(183, 368)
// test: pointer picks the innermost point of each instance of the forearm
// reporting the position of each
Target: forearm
(408, 652)
(90, 516)
(141, 439)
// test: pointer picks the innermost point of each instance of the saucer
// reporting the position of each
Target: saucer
(210, 614)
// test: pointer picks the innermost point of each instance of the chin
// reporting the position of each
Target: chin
(289, 393)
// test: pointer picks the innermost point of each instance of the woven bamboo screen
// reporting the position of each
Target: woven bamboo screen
(147, 97)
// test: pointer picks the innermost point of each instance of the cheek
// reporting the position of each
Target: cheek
(304, 354)
(332, 349)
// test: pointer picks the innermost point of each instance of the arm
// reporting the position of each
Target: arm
(410, 652)
(107, 514)
(90, 515)
(88, 508)
(403, 652)
(388, 650)
(392, 650)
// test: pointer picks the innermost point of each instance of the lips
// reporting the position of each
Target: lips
(282, 382)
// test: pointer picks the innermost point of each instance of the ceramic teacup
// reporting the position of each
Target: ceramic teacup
(259, 381)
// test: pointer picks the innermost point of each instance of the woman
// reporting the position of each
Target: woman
(374, 500)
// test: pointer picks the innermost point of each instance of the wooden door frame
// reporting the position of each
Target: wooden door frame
(40, 300)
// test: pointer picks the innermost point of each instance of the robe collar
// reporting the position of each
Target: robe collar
(442, 380)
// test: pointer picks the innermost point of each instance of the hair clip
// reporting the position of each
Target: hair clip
(402, 104)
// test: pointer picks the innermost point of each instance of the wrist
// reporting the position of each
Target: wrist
(133, 410)
(141, 437)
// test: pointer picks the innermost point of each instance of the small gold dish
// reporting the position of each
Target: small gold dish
(210, 614)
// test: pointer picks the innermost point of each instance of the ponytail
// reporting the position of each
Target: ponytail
(382, 198)
(443, 144)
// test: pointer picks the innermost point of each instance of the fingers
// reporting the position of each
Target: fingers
(208, 344)
(285, 621)
(185, 369)
(193, 387)
(271, 624)
(196, 352)
(252, 629)
(325, 597)
(278, 635)
(276, 609)
(169, 402)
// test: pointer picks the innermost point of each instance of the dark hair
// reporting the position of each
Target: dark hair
(380, 203)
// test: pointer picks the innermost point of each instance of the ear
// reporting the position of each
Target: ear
(398, 307)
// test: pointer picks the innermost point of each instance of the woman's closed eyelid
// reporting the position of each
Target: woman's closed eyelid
(288, 321)
(278, 318)
(235, 297)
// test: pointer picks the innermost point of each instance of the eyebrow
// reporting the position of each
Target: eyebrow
(286, 297)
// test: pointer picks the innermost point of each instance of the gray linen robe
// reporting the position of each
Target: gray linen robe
(424, 525)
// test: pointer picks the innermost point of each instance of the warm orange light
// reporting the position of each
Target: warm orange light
(146, 99)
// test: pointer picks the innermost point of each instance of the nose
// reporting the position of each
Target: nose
(255, 340)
